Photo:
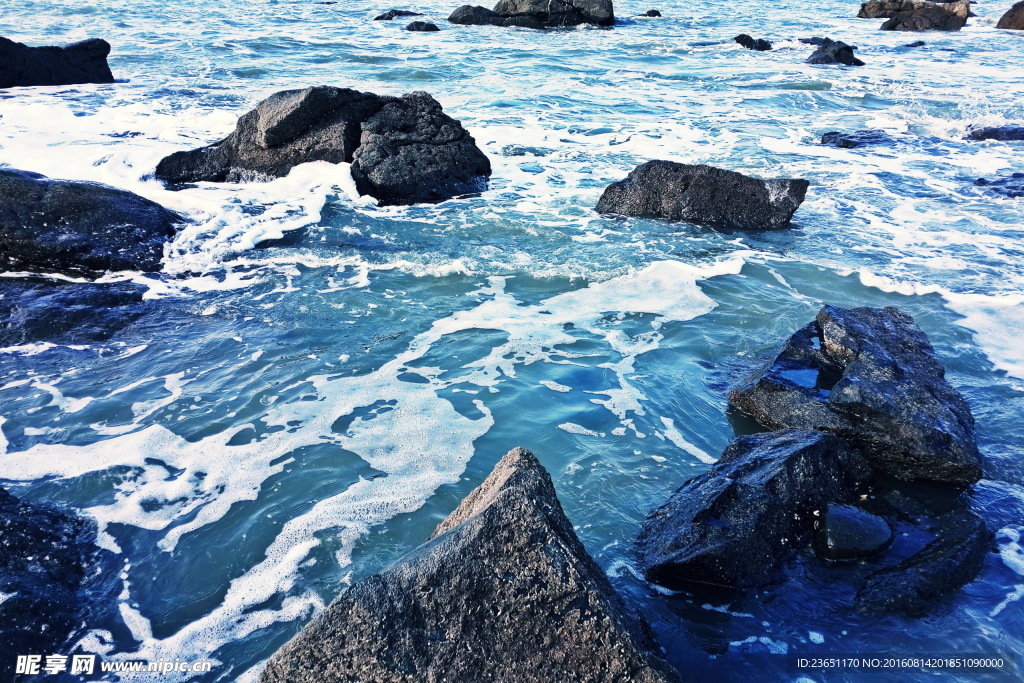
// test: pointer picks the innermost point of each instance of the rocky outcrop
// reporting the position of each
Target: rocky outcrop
(870, 376)
(886, 9)
(422, 26)
(82, 62)
(404, 150)
(503, 591)
(537, 13)
(1001, 133)
(1013, 19)
(70, 227)
(856, 138)
(931, 17)
(833, 52)
(846, 532)
(759, 44)
(705, 196)
(395, 13)
(1011, 186)
(735, 524)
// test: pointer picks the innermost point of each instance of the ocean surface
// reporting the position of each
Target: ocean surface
(322, 380)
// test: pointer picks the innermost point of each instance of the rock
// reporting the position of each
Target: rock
(870, 376)
(845, 532)
(856, 139)
(559, 12)
(953, 559)
(931, 17)
(72, 227)
(1013, 19)
(760, 45)
(886, 9)
(916, 43)
(82, 62)
(425, 26)
(735, 524)
(411, 151)
(394, 13)
(1011, 186)
(704, 195)
(833, 52)
(1002, 133)
(404, 150)
(651, 13)
(474, 15)
(502, 590)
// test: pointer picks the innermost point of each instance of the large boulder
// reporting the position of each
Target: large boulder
(395, 13)
(886, 9)
(537, 13)
(502, 591)
(75, 227)
(404, 149)
(735, 524)
(950, 16)
(1013, 19)
(474, 15)
(1001, 133)
(704, 195)
(82, 62)
(833, 52)
(869, 375)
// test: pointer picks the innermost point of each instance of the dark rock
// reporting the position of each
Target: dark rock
(393, 13)
(1002, 133)
(735, 524)
(931, 17)
(82, 62)
(816, 41)
(502, 591)
(651, 13)
(411, 151)
(856, 139)
(833, 52)
(953, 559)
(424, 26)
(870, 376)
(704, 195)
(474, 15)
(1013, 19)
(760, 44)
(886, 9)
(522, 22)
(916, 43)
(845, 532)
(1011, 186)
(76, 227)
(559, 12)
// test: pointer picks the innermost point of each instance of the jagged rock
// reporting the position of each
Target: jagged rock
(537, 13)
(72, 227)
(423, 26)
(651, 13)
(82, 62)
(760, 44)
(1002, 133)
(832, 52)
(1013, 19)
(1011, 186)
(704, 195)
(953, 559)
(502, 591)
(474, 15)
(845, 532)
(856, 139)
(870, 376)
(404, 150)
(886, 9)
(931, 17)
(394, 13)
(735, 524)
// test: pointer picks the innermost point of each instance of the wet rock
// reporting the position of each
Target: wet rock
(404, 150)
(395, 13)
(886, 9)
(931, 17)
(735, 524)
(411, 151)
(760, 44)
(559, 12)
(82, 62)
(870, 376)
(503, 590)
(704, 195)
(1011, 186)
(423, 26)
(1013, 19)
(70, 227)
(916, 43)
(474, 15)
(1002, 133)
(952, 560)
(856, 139)
(651, 13)
(845, 532)
(833, 52)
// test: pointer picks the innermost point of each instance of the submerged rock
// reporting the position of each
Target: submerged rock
(503, 590)
(931, 17)
(423, 26)
(82, 62)
(735, 524)
(404, 149)
(856, 139)
(395, 13)
(537, 13)
(1011, 186)
(870, 376)
(1013, 19)
(704, 195)
(651, 13)
(833, 52)
(760, 44)
(845, 532)
(916, 43)
(1002, 133)
(73, 227)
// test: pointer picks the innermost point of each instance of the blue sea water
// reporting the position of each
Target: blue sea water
(323, 380)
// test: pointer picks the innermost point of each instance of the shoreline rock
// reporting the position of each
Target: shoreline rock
(502, 586)
(73, 64)
(1013, 19)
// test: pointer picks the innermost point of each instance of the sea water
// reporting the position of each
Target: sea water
(322, 380)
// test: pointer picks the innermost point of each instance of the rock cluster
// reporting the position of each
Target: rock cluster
(930, 16)
(537, 13)
(82, 62)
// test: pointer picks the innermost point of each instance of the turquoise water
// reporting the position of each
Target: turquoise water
(322, 380)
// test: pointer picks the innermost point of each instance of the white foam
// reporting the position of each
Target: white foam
(673, 434)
